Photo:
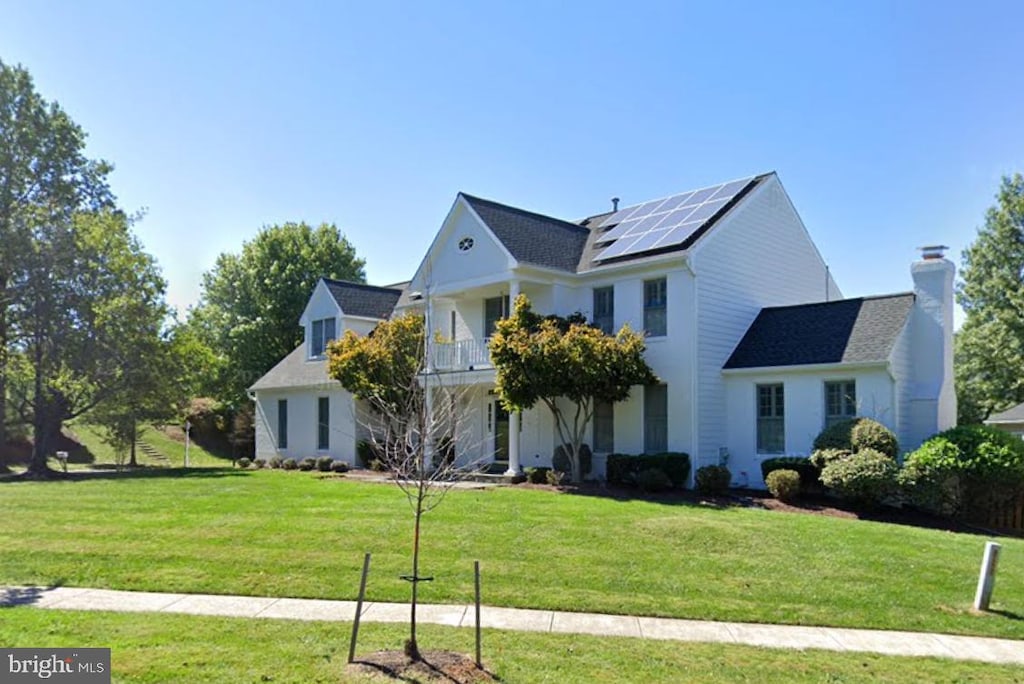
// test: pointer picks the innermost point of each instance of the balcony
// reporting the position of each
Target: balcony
(463, 355)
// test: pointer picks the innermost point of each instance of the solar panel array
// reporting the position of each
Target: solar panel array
(665, 222)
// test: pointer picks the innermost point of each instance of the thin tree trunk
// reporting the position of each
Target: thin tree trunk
(3, 366)
(132, 461)
(412, 649)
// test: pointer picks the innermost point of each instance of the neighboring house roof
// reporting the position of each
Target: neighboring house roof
(359, 299)
(1011, 415)
(861, 330)
(294, 371)
(533, 238)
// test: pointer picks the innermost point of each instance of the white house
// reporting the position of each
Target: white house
(1011, 420)
(746, 329)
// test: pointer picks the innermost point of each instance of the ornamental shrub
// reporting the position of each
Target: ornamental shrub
(560, 459)
(537, 475)
(824, 457)
(783, 484)
(712, 480)
(969, 471)
(365, 453)
(324, 463)
(856, 434)
(243, 462)
(653, 480)
(307, 464)
(556, 478)
(870, 434)
(339, 467)
(289, 464)
(865, 479)
(809, 472)
(260, 463)
(275, 462)
(623, 469)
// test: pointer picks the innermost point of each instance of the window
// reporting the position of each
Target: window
(323, 332)
(604, 427)
(840, 401)
(655, 419)
(495, 308)
(604, 309)
(655, 299)
(323, 424)
(282, 423)
(771, 422)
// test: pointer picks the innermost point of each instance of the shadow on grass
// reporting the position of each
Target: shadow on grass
(672, 497)
(433, 666)
(1010, 615)
(141, 472)
(12, 597)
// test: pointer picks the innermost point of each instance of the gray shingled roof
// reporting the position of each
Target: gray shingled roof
(861, 330)
(295, 371)
(1010, 415)
(358, 299)
(533, 238)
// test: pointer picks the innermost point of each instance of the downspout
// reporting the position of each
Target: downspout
(694, 384)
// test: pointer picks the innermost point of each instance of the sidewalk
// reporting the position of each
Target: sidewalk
(1004, 651)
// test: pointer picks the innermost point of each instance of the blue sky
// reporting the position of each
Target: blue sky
(889, 123)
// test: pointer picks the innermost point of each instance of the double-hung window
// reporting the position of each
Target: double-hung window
(322, 331)
(655, 419)
(604, 309)
(771, 419)
(495, 308)
(323, 424)
(840, 401)
(655, 307)
(604, 427)
(282, 423)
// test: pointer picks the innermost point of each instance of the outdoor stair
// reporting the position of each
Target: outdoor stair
(154, 456)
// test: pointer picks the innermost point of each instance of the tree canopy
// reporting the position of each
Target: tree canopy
(45, 177)
(251, 302)
(548, 358)
(989, 348)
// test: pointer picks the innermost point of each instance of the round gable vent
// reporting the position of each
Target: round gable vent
(465, 244)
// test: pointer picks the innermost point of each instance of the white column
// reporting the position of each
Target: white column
(514, 417)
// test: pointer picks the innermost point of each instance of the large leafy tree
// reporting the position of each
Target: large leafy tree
(44, 178)
(252, 301)
(989, 348)
(88, 318)
(565, 364)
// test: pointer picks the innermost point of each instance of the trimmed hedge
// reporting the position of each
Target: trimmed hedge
(809, 473)
(857, 434)
(712, 479)
(866, 479)
(653, 480)
(784, 484)
(622, 469)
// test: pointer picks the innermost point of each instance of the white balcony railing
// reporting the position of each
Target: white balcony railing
(462, 355)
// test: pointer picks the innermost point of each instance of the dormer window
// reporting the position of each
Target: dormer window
(322, 332)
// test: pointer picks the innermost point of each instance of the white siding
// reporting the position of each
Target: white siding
(902, 366)
(302, 424)
(804, 393)
(759, 256)
(446, 269)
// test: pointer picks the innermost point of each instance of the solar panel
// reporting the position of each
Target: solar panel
(665, 222)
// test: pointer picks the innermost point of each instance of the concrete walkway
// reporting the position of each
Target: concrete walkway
(1005, 651)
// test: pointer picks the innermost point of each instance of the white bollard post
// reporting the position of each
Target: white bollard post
(987, 578)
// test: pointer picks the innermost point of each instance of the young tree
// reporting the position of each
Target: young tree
(989, 348)
(417, 421)
(251, 302)
(44, 176)
(549, 359)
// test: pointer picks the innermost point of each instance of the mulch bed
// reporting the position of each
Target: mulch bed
(434, 666)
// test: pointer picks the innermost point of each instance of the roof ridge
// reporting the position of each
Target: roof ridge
(365, 286)
(526, 212)
(755, 177)
(894, 295)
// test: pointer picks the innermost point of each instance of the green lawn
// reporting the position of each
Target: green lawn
(281, 533)
(91, 439)
(162, 648)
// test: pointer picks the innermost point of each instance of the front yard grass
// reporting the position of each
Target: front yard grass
(278, 533)
(161, 648)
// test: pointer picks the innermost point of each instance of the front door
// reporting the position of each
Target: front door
(500, 433)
